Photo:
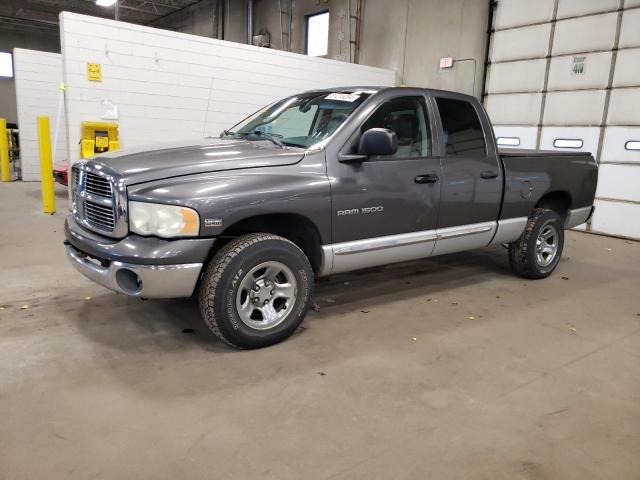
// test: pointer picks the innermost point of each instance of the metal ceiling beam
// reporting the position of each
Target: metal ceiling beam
(156, 3)
(88, 7)
(20, 24)
(38, 14)
(168, 16)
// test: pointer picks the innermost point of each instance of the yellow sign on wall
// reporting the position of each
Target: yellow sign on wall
(94, 72)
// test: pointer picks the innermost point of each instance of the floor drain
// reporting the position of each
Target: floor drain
(188, 330)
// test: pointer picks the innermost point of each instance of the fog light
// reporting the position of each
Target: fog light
(128, 281)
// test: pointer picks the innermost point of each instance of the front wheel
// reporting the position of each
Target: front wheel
(256, 290)
(538, 250)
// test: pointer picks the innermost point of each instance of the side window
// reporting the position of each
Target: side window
(461, 128)
(407, 116)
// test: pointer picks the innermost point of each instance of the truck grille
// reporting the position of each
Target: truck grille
(99, 216)
(75, 178)
(97, 185)
(99, 203)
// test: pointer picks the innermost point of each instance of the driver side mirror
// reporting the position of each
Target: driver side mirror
(378, 141)
(373, 142)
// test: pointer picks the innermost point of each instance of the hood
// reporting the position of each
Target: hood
(159, 161)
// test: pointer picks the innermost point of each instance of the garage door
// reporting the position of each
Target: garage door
(565, 75)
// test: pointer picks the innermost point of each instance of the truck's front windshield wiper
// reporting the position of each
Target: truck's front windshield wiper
(274, 138)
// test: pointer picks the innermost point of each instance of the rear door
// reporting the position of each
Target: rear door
(471, 176)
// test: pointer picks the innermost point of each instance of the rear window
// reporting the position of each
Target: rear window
(461, 128)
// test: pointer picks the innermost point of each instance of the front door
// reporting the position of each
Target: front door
(393, 194)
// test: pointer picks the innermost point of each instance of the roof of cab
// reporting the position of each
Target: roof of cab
(377, 89)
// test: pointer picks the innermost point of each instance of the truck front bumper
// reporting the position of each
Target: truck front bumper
(137, 266)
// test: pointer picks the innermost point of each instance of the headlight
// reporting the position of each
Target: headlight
(163, 220)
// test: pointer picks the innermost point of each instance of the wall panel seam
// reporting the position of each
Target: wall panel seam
(612, 67)
(546, 72)
(572, 17)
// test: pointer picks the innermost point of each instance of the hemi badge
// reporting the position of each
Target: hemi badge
(212, 222)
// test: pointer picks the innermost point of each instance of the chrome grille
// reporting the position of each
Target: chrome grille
(75, 178)
(97, 185)
(99, 200)
(99, 216)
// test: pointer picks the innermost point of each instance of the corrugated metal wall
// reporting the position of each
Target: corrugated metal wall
(565, 75)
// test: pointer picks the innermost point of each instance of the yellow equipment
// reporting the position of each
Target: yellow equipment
(5, 174)
(46, 166)
(98, 137)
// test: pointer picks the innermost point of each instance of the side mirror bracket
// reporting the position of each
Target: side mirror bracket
(351, 158)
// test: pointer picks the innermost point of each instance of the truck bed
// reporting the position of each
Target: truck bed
(530, 175)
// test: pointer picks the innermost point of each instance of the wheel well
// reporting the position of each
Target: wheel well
(296, 228)
(558, 201)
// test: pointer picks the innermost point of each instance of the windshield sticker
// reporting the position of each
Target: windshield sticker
(343, 97)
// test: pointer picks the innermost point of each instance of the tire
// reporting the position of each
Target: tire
(527, 255)
(256, 290)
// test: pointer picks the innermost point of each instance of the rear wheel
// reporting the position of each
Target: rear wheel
(256, 290)
(538, 250)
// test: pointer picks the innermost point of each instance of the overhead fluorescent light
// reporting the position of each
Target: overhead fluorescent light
(106, 3)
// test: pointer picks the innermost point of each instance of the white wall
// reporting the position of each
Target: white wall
(171, 86)
(37, 76)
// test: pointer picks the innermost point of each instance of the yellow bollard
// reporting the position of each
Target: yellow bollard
(5, 174)
(46, 166)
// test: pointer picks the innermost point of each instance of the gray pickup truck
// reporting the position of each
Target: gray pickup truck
(319, 183)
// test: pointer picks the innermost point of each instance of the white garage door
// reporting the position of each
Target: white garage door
(565, 75)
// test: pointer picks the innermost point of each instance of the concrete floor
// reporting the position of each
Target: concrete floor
(449, 368)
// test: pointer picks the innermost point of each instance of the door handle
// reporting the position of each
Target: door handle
(426, 178)
(488, 174)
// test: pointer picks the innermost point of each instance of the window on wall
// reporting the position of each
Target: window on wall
(508, 141)
(6, 65)
(317, 34)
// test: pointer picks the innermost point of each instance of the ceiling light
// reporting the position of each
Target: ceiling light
(105, 3)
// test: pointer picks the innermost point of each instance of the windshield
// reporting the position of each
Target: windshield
(301, 120)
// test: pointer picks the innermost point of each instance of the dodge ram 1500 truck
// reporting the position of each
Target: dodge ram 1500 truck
(323, 182)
